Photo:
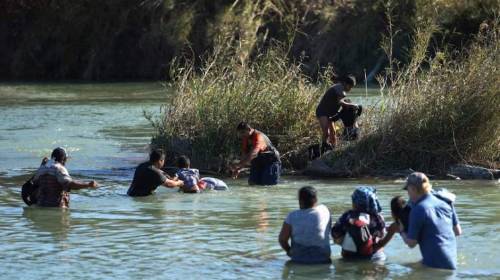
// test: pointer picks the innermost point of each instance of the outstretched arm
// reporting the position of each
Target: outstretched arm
(393, 228)
(76, 185)
(169, 183)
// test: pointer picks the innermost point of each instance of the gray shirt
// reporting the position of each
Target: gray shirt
(310, 234)
(55, 169)
(53, 180)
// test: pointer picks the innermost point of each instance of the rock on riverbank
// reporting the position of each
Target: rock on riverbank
(321, 167)
(471, 172)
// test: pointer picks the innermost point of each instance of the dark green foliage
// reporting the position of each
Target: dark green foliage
(127, 39)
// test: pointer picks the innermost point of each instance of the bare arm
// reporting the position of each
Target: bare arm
(393, 228)
(457, 229)
(410, 242)
(76, 185)
(285, 234)
(169, 183)
(246, 159)
(347, 104)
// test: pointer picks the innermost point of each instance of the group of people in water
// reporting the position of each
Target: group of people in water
(257, 152)
(428, 219)
(51, 185)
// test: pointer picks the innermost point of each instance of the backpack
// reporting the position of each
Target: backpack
(358, 240)
(214, 184)
(29, 192)
(444, 195)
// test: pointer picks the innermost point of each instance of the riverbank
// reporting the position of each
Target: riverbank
(322, 168)
(439, 111)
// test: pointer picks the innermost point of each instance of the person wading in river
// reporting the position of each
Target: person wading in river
(329, 106)
(359, 230)
(55, 183)
(309, 230)
(259, 152)
(148, 176)
(433, 224)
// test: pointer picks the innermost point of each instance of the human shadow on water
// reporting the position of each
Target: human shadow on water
(53, 220)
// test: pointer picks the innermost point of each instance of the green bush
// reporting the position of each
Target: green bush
(441, 110)
(270, 93)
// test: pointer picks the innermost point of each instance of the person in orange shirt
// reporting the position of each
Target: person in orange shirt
(259, 152)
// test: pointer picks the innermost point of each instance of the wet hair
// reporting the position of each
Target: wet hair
(400, 210)
(308, 196)
(59, 154)
(183, 162)
(156, 155)
(243, 126)
(348, 80)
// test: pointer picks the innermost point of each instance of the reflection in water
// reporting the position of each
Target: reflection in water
(293, 270)
(55, 221)
(262, 217)
(355, 268)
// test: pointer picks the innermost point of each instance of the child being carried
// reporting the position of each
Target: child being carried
(190, 176)
(400, 208)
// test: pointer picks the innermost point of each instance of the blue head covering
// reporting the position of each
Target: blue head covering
(365, 199)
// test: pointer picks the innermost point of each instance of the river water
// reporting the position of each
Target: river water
(217, 235)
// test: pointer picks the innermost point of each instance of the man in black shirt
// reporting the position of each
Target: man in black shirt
(329, 106)
(148, 176)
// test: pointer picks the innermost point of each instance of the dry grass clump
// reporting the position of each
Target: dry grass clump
(441, 110)
(270, 93)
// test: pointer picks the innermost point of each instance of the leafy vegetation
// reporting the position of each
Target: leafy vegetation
(440, 110)
(442, 106)
(123, 39)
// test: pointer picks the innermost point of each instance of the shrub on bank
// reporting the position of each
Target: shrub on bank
(270, 93)
(441, 111)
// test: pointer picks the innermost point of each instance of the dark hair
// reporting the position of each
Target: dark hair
(307, 196)
(400, 210)
(59, 155)
(243, 126)
(183, 162)
(156, 155)
(348, 79)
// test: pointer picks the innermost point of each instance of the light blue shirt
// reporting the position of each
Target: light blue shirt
(310, 234)
(431, 224)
